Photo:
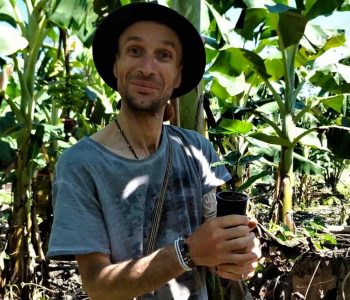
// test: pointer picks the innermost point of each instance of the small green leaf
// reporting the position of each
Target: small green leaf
(236, 126)
(219, 130)
(218, 90)
(256, 62)
(291, 26)
(254, 178)
(249, 21)
(335, 102)
(220, 163)
(268, 108)
(271, 139)
(317, 8)
(329, 238)
(233, 85)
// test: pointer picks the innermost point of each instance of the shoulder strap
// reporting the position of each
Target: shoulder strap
(157, 213)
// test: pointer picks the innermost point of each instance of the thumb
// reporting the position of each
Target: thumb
(252, 223)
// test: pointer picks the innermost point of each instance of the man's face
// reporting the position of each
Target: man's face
(148, 65)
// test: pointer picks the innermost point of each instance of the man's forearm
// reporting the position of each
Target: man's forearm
(131, 278)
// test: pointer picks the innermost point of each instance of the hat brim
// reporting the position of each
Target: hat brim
(107, 34)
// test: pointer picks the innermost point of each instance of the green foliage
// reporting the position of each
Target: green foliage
(281, 231)
(317, 231)
(81, 21)
(266, 84)
(312, 229)
(334, 167)
(5, 198)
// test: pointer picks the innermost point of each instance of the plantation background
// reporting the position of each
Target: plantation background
(274, 102)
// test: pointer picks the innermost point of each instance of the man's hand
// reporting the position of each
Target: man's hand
(228, 244)
(244, 270)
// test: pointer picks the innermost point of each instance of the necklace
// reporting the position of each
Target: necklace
(125, 139)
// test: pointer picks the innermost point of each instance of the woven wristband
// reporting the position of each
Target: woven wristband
(183, 255)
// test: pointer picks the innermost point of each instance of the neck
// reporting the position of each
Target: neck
(143, 130)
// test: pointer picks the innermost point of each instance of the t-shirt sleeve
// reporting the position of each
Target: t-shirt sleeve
(78, 225)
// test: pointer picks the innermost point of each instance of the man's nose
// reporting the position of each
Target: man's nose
(147, 65)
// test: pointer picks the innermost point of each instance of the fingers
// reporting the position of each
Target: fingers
(239, 251)
(235, 220)
(235, 232)
(216, 241)
(235, 276)
(231, 221)
(229, 275)
(242, 258)
(242, 265)
(237, 272)
(241, 244)
(252, 244)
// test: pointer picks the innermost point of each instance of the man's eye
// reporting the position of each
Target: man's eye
(165, 55)
(134, 51)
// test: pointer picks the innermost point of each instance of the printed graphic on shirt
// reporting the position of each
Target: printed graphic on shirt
(209, 206)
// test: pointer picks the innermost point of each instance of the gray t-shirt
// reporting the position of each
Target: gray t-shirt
(103, 202)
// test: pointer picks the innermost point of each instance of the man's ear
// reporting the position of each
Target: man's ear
(115, 68)
(178, 77)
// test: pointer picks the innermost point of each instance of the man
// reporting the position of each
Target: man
(107, 186)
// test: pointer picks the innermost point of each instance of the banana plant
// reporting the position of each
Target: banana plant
(29, 129)
(30, 36)
(282, 61)
(189, 108)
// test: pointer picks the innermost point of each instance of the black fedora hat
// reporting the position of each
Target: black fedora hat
(107, 34)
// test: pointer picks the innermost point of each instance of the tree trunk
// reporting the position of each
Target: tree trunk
(191, 112)
(284, 189)
(20, 232)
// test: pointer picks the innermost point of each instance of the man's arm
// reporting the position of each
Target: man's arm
(213, 244)
(104, 280)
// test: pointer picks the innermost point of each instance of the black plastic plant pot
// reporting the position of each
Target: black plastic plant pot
(231, 203)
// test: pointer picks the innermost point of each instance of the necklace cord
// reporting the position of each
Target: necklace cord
(126, 139)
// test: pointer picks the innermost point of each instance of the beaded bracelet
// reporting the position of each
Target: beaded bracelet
(182, 254)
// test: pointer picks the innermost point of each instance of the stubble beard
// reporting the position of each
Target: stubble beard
(153, 106)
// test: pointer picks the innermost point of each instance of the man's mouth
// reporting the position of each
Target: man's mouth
(144, 85)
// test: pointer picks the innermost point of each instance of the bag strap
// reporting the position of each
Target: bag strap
(157, 213)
